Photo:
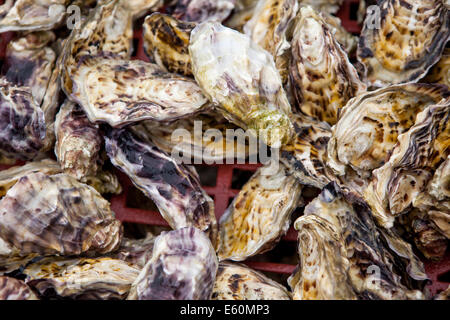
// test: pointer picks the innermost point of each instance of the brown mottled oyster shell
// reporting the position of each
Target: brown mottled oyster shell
(203, 10)
(105, 182)
(409, 39)
(440, 72)
(183, 267)
(57, 215)
(347, 40)
(136, 251)
(13, 289)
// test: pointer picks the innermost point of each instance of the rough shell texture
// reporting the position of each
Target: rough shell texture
(327, 6)
(81, 278)
(139, 8)
(132, 91)
(322, 77)
(242, 13)
(22, 123)
(440, 72)
(444, 295)
(13, 289)
(347, 40)
(105, 182)
(68, 218)
(203, 10)
(260, 214)
(242, 79)
(166, 42)
(414, 159)
(78, 142)
(239, 282)
(183, 267)
(174, 188)
(370, 124)
(136, 251)
(402, 40)
(26, 15)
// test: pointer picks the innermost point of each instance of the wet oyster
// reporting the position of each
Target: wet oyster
(327, 6)
(133, 91)
(27, 15)
(239, 282)
(409, 39)
(22, 123)
(322, 77)
(166, 42)
(13, 289)
(183, 267)
(269, 28)
(242, 79)
(78, 142)
(136, 251)
(260, 214)
(203, 10)
(81, 278)
(173, 187)
(414, 159)
(440, 72)
(69, 218)
(139, 8)
(370, 124)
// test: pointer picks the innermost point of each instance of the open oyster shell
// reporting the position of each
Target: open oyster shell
(419, 152)
(166, 42)
(239, 282)
(370, 124)
(183, 267)
(260, 214)
(22, 123)
(322, 77)
(133, 91)
(242, 79)
(402, 40)
(203, 10)
(13, 289)
(57, 215)
(440, 72)
(174, 188)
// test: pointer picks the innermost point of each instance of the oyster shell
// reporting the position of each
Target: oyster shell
(104, 182)
(166, 42)
(414, 159)
(347, 40)
(183, 267)
(136, 251)
(27, 15)
(203, 10)
(327, 6)
(174, 188)
(242, 79)
(444, 295)
(13, 289)
(133, 91)
(322, 78)
(57, 215)
(22, 123)
(139, 8)
(370, 124)
(440, 72)
(410, 38)
(242, 13)
(239, 282)
(78, 142)
(259, 215)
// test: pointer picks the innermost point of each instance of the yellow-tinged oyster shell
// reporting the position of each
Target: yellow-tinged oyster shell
(239, 282)
(260, 214)
(138, 8)
(241, 78)
(402, 40)
(322, 78)
(440, 72)
(347, 40)
(13, 289)
(327, 6)
(104, 182)
(57, 215)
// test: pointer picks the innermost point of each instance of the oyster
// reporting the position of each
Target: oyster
(242, 13)
(139, 8)
(22, 123)
(409, 39)
(327, 6)
(418, 153)
(78, 142)
(269, 28)
(136, 251)
(440, 72)
(26, 15)
(259, 215)
(322, 78)
(444, 295)
(81, 278)
(369, 125)
(347, 40)
(183, 267)
(174, 188)
(104, 182)
(166, 42)
(203, 10)
(13, 289)
(133, 91)
(239, 282)
(242, 79)
(69, 218)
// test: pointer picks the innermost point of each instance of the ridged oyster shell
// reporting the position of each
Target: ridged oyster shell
(138, 8)
(136, 251)
(260, 214)
(242, 13)
(440, 72)
(242, 79)
(328, 6)
(13, 289)
(239, 282)
(183, 267)
(57, 215)
(347, 40)
(322, 78)
(410, 38)
(203, 10)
